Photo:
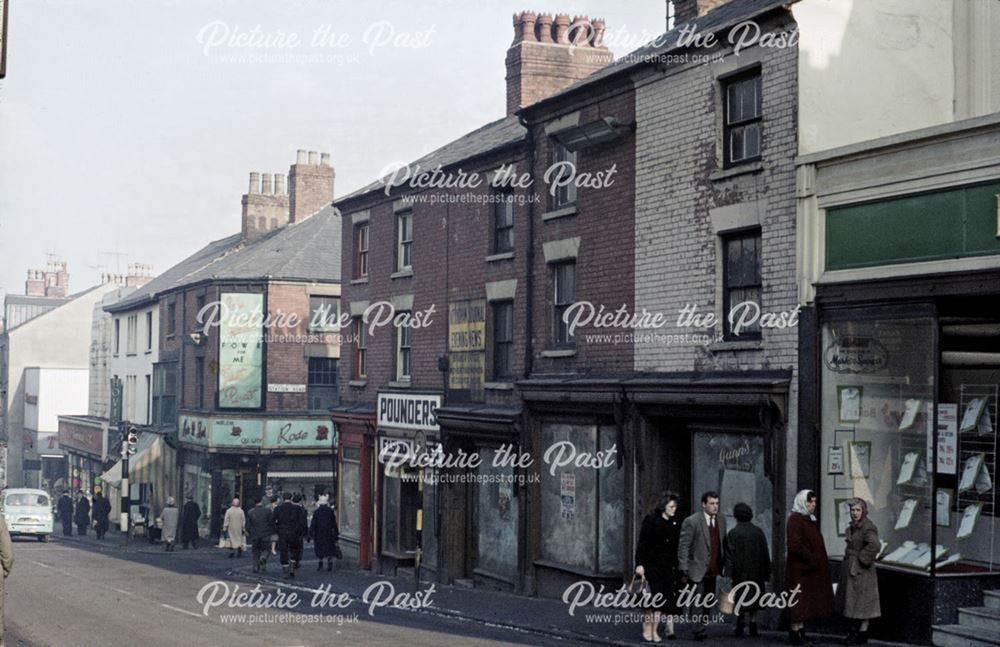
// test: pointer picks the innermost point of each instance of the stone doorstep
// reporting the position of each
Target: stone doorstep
(962, 636)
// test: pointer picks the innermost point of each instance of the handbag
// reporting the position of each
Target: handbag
(339, 554)
(639, 589)
(726, 601)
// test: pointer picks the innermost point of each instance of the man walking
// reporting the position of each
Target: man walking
(7, 562)
(286, 522)
(260, 528)
(65, 509)
(301, 531)
(190, 515)
(102, 508)
(701, 555)
(82, 514)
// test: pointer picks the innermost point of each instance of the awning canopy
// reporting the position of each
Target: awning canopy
(146, 441)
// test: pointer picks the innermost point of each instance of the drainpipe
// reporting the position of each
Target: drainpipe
(529, 257)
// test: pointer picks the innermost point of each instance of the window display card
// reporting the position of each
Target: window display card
(881, 550)
(947, 448)
(975, 475)
(910, 558)
(898, 554)
(909, 468)
(849, 398)
(843, 515)
(942, 507)
(835, 460)
(924, 561)
(969, 518)
(950, 559)
(973, 412)
(860, 455)
(911, 409)
(906, 514)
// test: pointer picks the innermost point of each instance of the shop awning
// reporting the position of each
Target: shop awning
(500, 424)
(146, 442)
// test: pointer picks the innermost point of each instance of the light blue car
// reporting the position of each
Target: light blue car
(27, 512)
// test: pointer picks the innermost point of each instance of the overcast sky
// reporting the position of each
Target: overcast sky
(130, 128)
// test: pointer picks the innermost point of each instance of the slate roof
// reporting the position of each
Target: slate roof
(306, 250)
(493, 136)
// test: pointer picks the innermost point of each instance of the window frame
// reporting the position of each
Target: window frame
(404, 353)
(323, 378)
(502, 344)
(361, 350)
(118, 335)
(726, 238)
(361, 235)
(329, 327)
(559, 306)
(564, 196)
(404, 246)
(149, 330)
(505, 204)
(743, 124)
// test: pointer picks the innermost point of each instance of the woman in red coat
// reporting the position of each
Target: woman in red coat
(807, 567)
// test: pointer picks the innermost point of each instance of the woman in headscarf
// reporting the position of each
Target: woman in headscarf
(656, 560)
(807, 567)
(324, 534)
(169, 517)
(857, 594)
(233, 526)
(747, 560)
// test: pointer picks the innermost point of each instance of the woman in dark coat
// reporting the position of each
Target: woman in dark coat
(808, 567)
(656, 560)
(324, 534)
(82, 513)
(747, 560)
(857, 593)
(102, 508)
(190, 515)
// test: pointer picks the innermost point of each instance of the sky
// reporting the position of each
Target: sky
(128, 129)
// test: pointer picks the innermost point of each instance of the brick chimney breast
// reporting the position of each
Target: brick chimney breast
(310, 185)
(543, 61)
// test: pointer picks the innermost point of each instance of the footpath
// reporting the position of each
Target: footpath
(524, 616)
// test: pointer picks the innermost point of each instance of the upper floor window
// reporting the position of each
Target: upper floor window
(403, 353)
(324, 313)
(503, 340)
(171, 318)
(149, 330)
(132, 333)
(361, 350)
(742, 123)
(564, 294)
(322, 389)
(404, 240)
(565, 194)
(361, 251)
(741, 281)
(118, 335)
(503, 223)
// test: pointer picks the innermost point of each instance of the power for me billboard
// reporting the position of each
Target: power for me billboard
(241, 351)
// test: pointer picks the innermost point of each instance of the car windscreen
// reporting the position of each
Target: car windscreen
(26, 498)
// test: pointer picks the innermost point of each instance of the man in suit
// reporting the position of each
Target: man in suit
(701, 554)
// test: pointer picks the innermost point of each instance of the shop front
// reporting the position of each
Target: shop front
(355, 427)
(408, 438)
(84, 442)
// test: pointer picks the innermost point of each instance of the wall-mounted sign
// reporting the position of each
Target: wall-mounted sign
(80, 437)
(408, 411)
(466, 350)
(855, 354)
(237, 432)
(193, 430)
(241, 351)
(299, 434)
(286, 388)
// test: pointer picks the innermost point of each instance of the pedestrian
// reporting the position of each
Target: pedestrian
(656, 560)
(169, 516)
(190, 516)
(857, 593)
(286, 524)
(233, 526)
(701, 554)
(273, 503)
(260, 528)
(102, 508)
(65, 510)
(324, 534)
(82, 514)
(7, 562)
(301, 532)
(748, 559)
(807, 568)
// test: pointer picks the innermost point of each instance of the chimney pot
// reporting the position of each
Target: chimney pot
(324, 159)
(313, 158)
(528, 19)
(544, 28)
(562, 29)
(599, 28)
(279, 184)
(254, 183)
(300, 156)
(266, 187)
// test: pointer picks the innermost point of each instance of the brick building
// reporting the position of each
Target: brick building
(248, 343)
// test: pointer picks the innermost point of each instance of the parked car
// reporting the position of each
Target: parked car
(27, 512)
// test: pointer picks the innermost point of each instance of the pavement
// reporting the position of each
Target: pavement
(520, 618)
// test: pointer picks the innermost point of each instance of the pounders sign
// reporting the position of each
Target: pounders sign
(408, 411)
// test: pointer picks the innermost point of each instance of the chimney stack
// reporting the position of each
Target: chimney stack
(139, 274)
(687, 10)
(264, 209)
(53, 281)
(545, 56)
(310, 185)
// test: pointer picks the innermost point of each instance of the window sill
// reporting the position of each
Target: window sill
(742, 169)
(498, 386)
(148, 351)
(559, 213)
(132, 354)
(400, 384)
(750, 344)
(360, 281)
(562, 352)
(358, 384)
(402, 274)
(503, 256)
(324, 331)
